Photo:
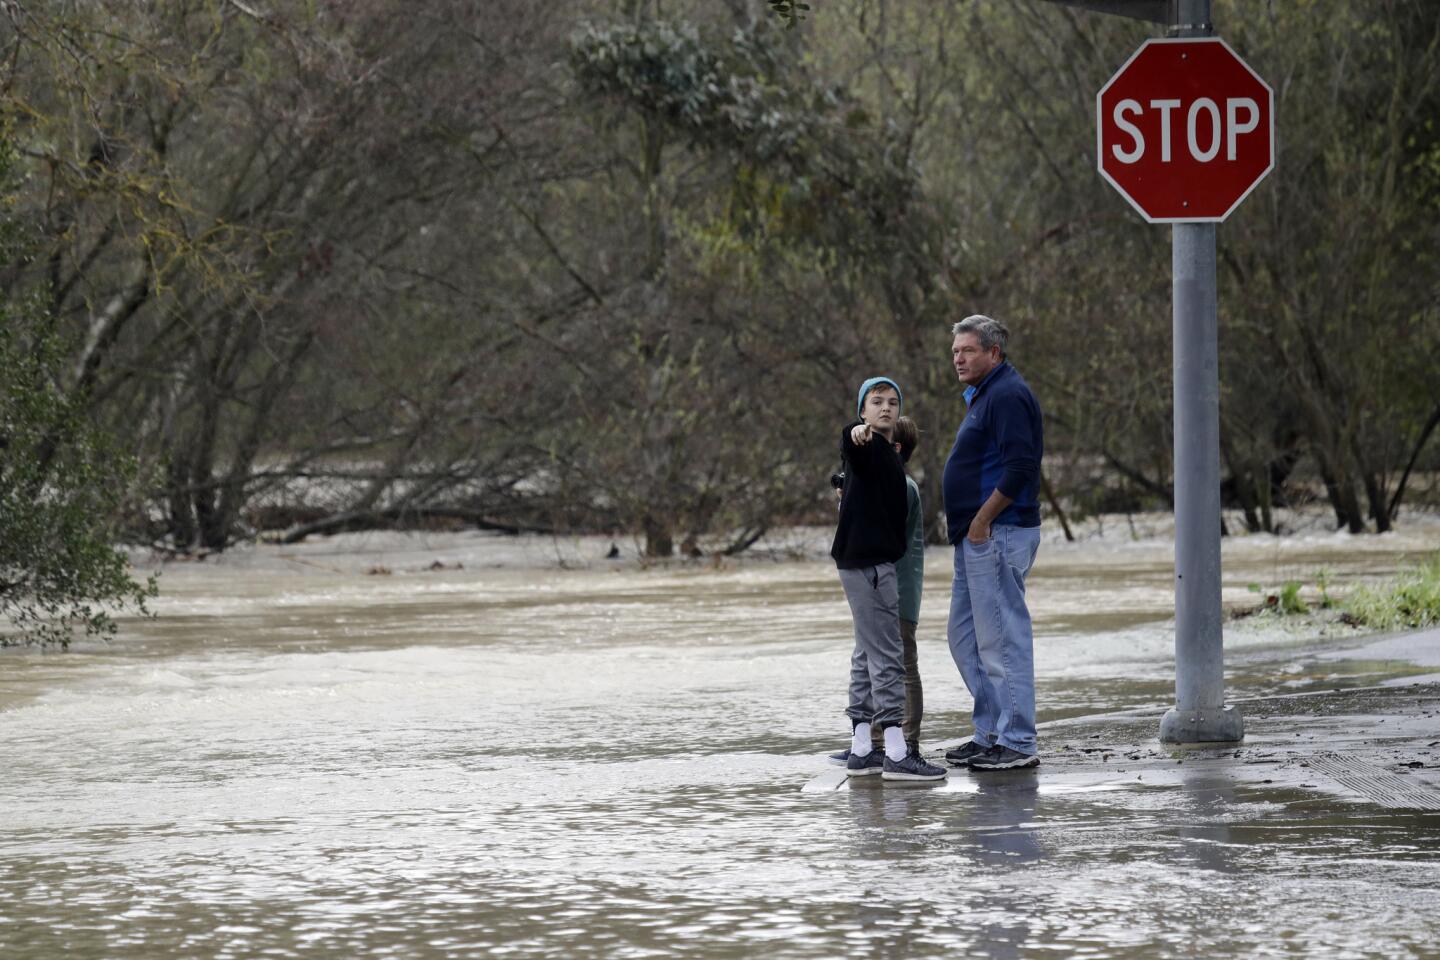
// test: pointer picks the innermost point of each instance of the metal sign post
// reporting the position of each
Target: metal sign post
(1200, 713)
(1185, 130)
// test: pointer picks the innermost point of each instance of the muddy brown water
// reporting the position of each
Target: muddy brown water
(297, 760)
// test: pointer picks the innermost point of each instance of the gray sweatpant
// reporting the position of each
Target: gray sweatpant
(877, 674)
(914, 695)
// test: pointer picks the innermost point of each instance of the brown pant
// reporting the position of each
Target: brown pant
(914, 699)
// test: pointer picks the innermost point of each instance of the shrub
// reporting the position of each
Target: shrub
(1411, 601)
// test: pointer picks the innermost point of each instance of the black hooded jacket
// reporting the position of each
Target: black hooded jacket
(871, 530)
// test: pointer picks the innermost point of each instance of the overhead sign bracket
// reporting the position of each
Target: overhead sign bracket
(1156, 11)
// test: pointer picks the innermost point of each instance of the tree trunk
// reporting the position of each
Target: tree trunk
(659, 541)
(181, 508)
(1342, 496)
(1266, 491)
(237, 479)
(1054, 502)
(1375, 495)
(932, 502)
(212, 529)
(1395, 498)
(1242, 487)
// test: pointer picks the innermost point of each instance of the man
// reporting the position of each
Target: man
(992, 506)
(869, 538)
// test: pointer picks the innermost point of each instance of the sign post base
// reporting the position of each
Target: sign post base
(1202, 725)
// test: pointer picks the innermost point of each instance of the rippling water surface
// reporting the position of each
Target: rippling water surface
(300, 760)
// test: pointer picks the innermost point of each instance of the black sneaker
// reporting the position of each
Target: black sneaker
(963, 755)
(1003, 758)
(866, 766)
(840, 759)
(913, 767)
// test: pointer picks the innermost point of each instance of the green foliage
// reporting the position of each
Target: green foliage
(1285, 601)
(805, 160)
(61, 483)
(321, 255)
(758, 192)
(789, 11)
(1410, 602)
(1289, 601)
(732, 93)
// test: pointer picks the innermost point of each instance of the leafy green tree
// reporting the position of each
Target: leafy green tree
(588, 265)
(62, 484)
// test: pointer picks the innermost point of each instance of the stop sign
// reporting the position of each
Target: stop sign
(1185, 130)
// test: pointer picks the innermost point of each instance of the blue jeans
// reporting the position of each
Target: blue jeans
(990, 635)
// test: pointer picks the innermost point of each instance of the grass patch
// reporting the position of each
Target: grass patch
(1412, 600)
(1286, 601)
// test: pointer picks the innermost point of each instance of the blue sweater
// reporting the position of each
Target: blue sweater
(998, 447)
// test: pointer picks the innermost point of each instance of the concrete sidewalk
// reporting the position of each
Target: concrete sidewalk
(1318, 835)
(1377, 745)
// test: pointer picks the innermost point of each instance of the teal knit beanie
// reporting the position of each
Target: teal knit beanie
(871, 384)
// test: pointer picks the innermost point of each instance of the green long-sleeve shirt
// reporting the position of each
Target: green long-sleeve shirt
(910, 569)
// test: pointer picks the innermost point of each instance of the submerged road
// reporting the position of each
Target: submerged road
(312, 762)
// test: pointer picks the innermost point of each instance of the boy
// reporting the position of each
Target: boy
(869, 538)
(909, 580)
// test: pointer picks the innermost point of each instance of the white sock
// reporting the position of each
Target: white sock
(895, 748)
(860, 742)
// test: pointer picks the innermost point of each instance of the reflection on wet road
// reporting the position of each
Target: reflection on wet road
(521, 763)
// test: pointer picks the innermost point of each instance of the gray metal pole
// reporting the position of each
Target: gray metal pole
(1200, 714)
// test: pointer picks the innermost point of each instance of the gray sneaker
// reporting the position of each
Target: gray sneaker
(960, 756)
(1003, 758)
(913, 767)
(840, 759)
(866, 766)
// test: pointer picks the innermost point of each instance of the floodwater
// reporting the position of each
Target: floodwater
(297, 759)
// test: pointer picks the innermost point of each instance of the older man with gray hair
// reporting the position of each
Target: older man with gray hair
(992, 506)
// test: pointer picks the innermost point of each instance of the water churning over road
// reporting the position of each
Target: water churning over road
(297, 759)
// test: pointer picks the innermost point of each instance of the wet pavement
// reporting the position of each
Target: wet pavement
(1370, 745)
(1367, 744)
(1318, 835)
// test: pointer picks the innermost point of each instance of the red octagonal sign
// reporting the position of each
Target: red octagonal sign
(1185, 130)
